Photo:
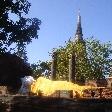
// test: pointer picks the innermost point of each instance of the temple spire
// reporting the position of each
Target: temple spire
(79, 35)
(79, 17)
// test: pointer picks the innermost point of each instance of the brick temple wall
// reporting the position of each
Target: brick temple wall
(48, 104)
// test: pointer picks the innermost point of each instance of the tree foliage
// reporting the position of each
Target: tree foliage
(12, 69)
(22, 31)
(17, 31)
(100, 57)
(41, 68)
(92, 59)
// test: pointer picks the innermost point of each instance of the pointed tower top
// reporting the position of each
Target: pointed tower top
(78, 35)
(79, 17)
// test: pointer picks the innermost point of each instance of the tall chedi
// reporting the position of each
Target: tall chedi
(71, 60)
(79, 35)
(79, 69)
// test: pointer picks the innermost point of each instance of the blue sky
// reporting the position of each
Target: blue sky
(59, 19)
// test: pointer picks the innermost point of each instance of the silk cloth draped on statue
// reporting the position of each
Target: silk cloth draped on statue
(48, 87)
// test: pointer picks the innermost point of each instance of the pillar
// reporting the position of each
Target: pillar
(72, 68)
(54, 66)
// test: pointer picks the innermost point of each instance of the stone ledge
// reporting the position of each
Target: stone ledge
(14, 103)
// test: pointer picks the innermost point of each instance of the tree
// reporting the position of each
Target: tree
(92, 59)
(41, 68)
(83, 69)
(12, 69)
(64, 54)
(99, 55)
(20, 32)
(17, 33)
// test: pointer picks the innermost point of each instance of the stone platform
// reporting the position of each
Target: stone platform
(18, 103)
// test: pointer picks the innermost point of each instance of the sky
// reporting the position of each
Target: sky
(59, 19)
